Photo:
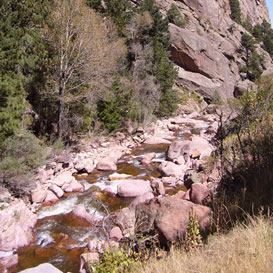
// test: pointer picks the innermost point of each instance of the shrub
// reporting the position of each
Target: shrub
(21, 157)
(264, 33)
(216, 98)
(116, 261)
(149, 62)
(176, 18)
(246, 153)
(132, 252)
(193, 237)
(108, 114)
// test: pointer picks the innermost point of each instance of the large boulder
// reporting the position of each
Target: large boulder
(171, 169)
(176, 149)
(197, 82)
(169, 217)
(16, 223)
(116, 154)
(50, 198)
(133, 187)
(141, 199)
(86, 259)
(64, 177)
(42, 268)
(107, 164)
(125, 220)
(115, 234)
(85, 165)
(147, 159)
(81, 212)
(158, 186)
(57, 190)
(38, 195)
(188, 148)
(198, 193)
(73, 186)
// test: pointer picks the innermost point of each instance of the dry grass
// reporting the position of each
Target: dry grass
(245, 249)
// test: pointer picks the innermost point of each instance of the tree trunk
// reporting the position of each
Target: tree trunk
(60, 114)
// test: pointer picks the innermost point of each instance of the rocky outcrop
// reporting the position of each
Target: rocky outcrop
(256, 10)
(207, 67)
(16, 223)
(206, 50)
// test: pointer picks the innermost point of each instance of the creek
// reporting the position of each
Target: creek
(60, 238)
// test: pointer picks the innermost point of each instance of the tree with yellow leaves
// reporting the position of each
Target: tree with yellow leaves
(87, 52)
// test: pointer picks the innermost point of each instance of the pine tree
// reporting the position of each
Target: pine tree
(253, 59)
(23, 58)
(163, 68)
(235, 11)
(120, 11)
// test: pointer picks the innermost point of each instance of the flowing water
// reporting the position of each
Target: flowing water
(60, 238)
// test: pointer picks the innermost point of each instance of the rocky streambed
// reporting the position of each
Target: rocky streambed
(122, 173)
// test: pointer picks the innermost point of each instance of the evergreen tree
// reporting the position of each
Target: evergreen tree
(163, 68)
(257, 32)
(23, 61)
(96, 5)
(253, 59)
(120, 12)
(114, 111)
(235, 11)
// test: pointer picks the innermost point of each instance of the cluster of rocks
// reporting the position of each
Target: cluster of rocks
(57, 177)
(154, 211)
(182, 157)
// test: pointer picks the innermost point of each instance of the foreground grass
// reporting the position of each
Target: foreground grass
(244, 249)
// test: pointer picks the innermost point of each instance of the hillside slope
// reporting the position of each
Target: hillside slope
(208, 51)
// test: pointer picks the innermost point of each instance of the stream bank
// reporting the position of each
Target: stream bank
(60, 236)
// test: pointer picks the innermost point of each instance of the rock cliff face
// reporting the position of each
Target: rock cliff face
(206, 50)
